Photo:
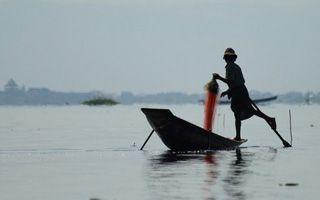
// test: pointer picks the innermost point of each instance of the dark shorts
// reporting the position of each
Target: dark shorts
(241, 103)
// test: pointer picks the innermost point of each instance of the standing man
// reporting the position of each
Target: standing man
(241, 104)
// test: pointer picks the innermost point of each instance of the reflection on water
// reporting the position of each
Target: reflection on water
(208, 175)
(211, 175)
(236, 175)
(169, 157)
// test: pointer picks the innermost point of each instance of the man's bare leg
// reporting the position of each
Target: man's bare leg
(238, 126)
(270, 120)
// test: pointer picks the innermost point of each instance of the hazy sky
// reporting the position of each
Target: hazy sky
(148, 46)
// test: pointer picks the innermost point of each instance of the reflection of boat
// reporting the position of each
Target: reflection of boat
(169, 156)
(180, 135)
(254, 100)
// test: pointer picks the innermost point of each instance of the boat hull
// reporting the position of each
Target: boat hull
(180, 135)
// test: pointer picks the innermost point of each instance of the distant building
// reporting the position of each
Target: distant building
(11, 87)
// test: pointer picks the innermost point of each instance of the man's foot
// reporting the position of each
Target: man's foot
(272, 123)
(237, 138)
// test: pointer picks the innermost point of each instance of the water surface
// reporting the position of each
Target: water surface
(79, 152)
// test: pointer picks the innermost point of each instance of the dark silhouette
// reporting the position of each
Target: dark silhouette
(180, 135)
(241, 104)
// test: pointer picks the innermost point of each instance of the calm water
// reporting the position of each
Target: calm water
(78, 152)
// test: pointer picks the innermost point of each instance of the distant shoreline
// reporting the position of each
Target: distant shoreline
(17, 95)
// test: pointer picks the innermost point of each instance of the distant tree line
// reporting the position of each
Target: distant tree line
(14, 94)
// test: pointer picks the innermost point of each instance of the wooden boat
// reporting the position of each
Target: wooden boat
(180, 135)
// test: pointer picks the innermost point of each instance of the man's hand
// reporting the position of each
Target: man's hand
(224, 93)
(216, 76)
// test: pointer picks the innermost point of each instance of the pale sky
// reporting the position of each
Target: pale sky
(149, 46)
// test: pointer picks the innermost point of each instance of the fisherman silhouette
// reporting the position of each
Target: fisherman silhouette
(241, 104)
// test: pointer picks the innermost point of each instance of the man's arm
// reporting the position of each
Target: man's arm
(227, 81)
(218, 77)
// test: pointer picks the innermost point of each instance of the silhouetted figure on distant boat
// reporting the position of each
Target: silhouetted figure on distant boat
(241, 104)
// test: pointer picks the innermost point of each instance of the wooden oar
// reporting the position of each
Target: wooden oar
(147, 139)
(285, 143)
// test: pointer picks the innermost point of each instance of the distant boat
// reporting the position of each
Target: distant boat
(254, 100)
(180, 135)
(100, 101)
(262, 100)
